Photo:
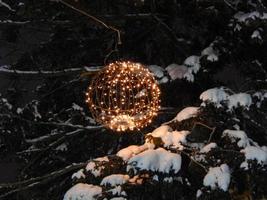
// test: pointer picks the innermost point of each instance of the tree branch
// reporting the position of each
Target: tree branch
(94, 19)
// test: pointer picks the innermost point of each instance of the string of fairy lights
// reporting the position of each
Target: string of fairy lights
(124, 96)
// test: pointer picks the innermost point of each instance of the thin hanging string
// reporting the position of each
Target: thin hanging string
(115, 51)
(95, 19)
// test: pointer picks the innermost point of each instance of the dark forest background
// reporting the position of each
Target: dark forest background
(43, 35)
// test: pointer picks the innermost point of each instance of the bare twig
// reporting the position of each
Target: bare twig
(230, 5)
(6, 5)
(58, 124)
(94, 19)
(176, 40)
(193, 160)
(51, 73)
(50, 146)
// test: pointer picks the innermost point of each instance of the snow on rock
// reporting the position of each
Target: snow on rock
(79, 174)
(218, 177)
(237, 135)
(176, 71)
(93, 168)
(132, 150)
(240, 99)
(158, 160)
(256, 153)
(186, 113)
(211, 54)
(208, 147)
(115, 179)
(156, 70)
(214, 95)
(169, 137)
(82, 191)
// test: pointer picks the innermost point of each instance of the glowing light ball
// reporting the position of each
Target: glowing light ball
(124, 96)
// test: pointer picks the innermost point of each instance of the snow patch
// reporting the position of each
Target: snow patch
(256, 35)
(169, 137)
(117, 191)
(208, 147)
(256, 153)
(62, 147)
(115, 179)
(235, 135)
(79, 174)
(19, 111)
(176, 71)
(93, 168)
(168, 179)
(241, 99)
(243, 17)
(158, 160)
(76, 107)
(219, 96)
(118, 198)
(199, 193)
(193, 63)
(132, 150)
(6, 103)
(190, 66)
(218, 177)
(156, 70)
(186, 113)
(211, 54)
(214, 95)
(82, 191)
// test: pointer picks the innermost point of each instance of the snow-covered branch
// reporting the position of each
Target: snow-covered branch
(6, 5)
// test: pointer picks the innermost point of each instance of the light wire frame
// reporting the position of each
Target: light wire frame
(124, 96)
